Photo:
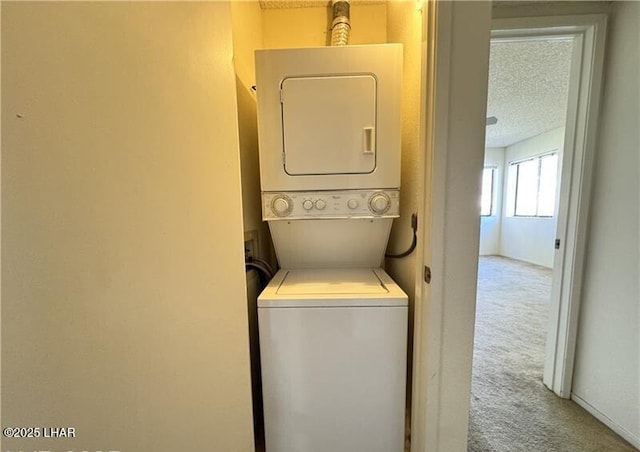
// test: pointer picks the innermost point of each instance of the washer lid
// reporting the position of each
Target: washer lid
(337, 287)
(347, 281)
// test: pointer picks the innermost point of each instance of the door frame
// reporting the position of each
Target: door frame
(456, 67)
(445, 307)
(589, 34)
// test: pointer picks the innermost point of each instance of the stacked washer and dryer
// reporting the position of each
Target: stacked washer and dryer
(332, 323)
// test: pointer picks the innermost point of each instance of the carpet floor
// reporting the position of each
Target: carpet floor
(511, 410)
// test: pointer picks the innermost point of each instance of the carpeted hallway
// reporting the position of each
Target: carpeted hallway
(511, 410)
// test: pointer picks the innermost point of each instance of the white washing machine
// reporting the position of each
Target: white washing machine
(333, 353)
(332, 325)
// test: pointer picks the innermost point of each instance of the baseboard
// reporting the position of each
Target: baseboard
(599, 415)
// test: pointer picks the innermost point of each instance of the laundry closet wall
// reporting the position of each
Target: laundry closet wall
(123, 288)
(308, 26)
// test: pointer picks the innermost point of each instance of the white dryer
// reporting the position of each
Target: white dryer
(329, 146)
(329, 117)
(333, 354)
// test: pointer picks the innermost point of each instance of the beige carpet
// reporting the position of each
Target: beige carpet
(511, 410)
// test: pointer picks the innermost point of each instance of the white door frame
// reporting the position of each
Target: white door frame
(589, 33)
(455, 81)
(445, 309)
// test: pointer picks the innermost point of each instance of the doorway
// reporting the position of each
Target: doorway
(588, 37)
(533, 82)
(444, 331)
(524, 145)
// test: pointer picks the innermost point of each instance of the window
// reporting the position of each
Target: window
(531, 187)
(486, 202)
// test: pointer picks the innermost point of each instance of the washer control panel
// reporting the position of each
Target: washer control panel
(296, 205)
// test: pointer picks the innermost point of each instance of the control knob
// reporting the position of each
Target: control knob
(321, 204)
(281, 205)
(353, 204)
(307, 204)
(379, 203)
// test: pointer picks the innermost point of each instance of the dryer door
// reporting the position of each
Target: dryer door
(329, 125)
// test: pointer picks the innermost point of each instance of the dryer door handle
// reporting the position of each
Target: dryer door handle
(368, 140)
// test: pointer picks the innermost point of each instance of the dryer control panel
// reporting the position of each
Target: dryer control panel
(330, 204)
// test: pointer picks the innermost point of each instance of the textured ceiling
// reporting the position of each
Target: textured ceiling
(528, 85)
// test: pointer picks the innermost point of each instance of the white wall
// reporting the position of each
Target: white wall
(531, 239)
(123, 288)
(490, 225)
(606, 376)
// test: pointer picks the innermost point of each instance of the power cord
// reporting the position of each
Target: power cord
(414, 242)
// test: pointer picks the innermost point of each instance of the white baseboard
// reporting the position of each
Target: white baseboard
(599, 415)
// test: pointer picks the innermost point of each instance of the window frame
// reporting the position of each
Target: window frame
(513, 209)
(493, 169)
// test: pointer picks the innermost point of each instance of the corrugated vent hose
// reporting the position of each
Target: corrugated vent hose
(341, 26)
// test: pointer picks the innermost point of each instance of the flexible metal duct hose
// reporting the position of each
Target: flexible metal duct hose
(340, 27)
